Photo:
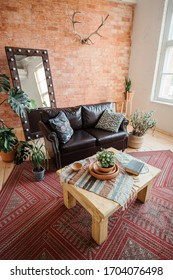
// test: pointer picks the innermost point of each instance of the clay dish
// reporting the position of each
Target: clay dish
(76, 166)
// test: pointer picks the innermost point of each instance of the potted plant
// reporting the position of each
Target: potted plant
(105, 160)
(128, 92)
(8, 142)
(19, 102)
(35, 153)
(141, 122)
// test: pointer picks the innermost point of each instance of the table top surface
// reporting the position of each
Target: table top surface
(106, 206)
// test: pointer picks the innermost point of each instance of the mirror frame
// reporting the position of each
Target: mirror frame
(10, 53)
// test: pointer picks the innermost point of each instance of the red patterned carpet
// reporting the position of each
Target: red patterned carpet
(34, 223)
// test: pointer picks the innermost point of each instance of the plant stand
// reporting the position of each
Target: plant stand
(126, 106)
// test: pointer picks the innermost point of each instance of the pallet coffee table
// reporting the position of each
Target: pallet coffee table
(101, 208)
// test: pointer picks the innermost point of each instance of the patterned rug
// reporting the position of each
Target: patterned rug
(34, 223)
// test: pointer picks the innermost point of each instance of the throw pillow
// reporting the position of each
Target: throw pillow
(110, 121)
(61, 125)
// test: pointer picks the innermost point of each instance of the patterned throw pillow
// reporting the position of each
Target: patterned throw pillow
(110, 121)
(61, 125)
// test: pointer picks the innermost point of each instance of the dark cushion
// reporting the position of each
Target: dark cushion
(74, 115)
(61, 125)
(48, 114)
(110, 121)
(104, 137)
(92, 113)
(80, 140)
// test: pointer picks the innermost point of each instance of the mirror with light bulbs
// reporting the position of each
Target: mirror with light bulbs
(30, 71)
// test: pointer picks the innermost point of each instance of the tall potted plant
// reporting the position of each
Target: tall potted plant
(128, 92)
(141, 122)
(35, 153)
(19, 102)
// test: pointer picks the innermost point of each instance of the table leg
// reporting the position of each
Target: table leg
(99, 230)
(144, 194)
(69, 200)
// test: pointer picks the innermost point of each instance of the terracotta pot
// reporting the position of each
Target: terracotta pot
(8, 157)
(134, 141)
(105, 169)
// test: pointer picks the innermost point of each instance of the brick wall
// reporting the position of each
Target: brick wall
(82, 74)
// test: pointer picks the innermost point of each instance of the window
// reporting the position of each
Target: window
(164, 79)
(42, 85)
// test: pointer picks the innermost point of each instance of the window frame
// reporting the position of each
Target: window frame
(165, 43)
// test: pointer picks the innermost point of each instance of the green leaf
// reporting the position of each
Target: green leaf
(8, 139)
(4, 83)
(19, 101)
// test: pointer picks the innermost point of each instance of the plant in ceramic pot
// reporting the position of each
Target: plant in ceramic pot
(19, 102)
(34, 151)
(141, 122)
(105, 160)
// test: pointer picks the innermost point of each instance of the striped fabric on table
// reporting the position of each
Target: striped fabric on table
(119, 189)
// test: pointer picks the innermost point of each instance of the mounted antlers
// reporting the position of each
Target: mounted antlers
(86, 40)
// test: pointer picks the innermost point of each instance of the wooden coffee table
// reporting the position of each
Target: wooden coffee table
(101, 208)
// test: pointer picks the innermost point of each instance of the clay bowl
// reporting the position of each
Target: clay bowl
(105, 169)
(104, 176)
(76, 166)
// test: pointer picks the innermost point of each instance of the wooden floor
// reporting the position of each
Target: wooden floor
(159, 141)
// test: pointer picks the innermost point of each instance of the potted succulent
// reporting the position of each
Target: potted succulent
(35, 153)
(141, 122)
(105, 160)
(19, 102)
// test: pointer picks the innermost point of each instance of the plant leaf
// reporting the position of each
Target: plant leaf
(19, 101)
(4, 83)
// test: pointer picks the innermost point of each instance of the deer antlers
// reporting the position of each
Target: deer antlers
(86, 40)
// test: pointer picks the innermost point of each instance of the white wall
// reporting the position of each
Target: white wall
(145, 40)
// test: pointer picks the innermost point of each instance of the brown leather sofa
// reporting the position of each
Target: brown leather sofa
(86, 139)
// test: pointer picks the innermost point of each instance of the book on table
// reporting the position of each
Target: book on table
(134, 167)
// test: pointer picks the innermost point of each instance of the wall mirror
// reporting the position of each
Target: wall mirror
(30, 71)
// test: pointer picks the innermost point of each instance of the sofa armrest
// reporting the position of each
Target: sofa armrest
(124, 124)
(51, 143)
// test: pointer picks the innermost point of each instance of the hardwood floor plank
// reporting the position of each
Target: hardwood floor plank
(158, 141)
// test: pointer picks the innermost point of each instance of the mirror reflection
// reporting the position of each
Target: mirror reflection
(30, 71)
(33, 80)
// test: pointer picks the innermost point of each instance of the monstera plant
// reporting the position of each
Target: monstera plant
(19, 103)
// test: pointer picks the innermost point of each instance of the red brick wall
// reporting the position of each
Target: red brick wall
(82, 74)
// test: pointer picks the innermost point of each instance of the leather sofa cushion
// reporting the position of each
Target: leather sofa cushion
(48, 114)
(80, 140)
(92, 113)
(74, 115)
(104, 137)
